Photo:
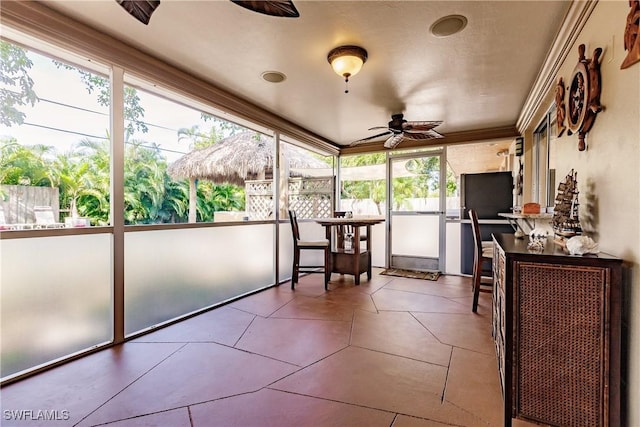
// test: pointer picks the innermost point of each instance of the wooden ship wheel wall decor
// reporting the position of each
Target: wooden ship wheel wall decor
(584, 95)
(632, 35)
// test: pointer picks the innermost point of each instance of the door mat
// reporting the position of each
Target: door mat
(412, 274)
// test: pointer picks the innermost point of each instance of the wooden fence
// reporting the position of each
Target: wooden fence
(18, 201)
(309, 197)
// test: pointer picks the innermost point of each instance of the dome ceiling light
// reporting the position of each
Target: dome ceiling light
(347, 61)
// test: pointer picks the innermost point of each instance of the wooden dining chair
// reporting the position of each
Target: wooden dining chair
(300, 245)
(343, 230)
(481, 255)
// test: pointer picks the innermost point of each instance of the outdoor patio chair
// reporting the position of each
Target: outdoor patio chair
(3, 221)
(45, 218)
(300, 245)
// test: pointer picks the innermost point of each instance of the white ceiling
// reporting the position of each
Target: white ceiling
(476, 79)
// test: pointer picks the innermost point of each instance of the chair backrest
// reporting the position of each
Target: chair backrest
(342, 229)
(44, 215)
(295, 231)
(475, 227)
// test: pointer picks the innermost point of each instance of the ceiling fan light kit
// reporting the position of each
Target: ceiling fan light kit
(347, 61)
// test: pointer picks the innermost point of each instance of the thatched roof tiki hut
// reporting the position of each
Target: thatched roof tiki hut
(236, 159)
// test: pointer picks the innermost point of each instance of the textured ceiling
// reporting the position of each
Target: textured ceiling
(476, 79)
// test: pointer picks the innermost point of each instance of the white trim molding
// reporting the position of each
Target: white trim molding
(574, 21)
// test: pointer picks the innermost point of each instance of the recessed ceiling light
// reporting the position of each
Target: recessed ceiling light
(448, 25)
(273, 76)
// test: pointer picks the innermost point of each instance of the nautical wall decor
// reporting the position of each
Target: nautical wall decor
(561, 109)
(584, 95)
(632, 35)
(566, 218)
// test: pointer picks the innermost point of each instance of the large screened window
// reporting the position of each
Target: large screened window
(72, 277)
(56, 291)
(544, 167)
(186, 165)
(54, 142)
(306, 181)
(363, 184)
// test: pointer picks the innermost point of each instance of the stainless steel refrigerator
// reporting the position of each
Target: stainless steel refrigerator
(488, 194)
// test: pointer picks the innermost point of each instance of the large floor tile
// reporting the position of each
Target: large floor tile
(376, 380)
(197, 373)
(429, 287)
(398, 333)
(304, 307)
(224, 325)
(173, 418)
(300, 342)
(347, 282)
(271, 408)
(474, 384)
(266, 302)
(405, 421)
(467, 330)
(82, 386)
(350, 297)
(393, 300)
(311, 285)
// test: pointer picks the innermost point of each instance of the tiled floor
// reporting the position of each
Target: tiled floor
(390, 352)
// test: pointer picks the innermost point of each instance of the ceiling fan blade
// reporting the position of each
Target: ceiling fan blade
(393, 140)
(420, 126)
(421, 136)
(369, 138)
(140, 9)
(283, 8)
(381, 127)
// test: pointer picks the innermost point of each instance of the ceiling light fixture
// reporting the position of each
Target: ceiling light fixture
(347, 61)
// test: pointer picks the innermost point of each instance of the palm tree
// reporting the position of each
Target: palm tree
(25, 165)
(83, 179)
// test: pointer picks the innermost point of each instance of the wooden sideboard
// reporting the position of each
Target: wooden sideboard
(557, 333)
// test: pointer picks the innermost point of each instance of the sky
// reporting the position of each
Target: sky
(67, 113)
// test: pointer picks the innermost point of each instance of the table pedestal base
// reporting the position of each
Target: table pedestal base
(348, 262)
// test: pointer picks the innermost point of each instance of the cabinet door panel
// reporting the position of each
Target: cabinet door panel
(560, 341)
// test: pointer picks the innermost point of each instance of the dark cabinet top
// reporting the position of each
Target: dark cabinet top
(552, 252)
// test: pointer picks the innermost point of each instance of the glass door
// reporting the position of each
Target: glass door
(416, 211)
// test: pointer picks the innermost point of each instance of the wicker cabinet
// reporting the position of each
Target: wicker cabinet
(556, 328)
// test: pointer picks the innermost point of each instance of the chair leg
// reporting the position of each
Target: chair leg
(296, 269)
(476, 294)
(477, 273)
(327, 268)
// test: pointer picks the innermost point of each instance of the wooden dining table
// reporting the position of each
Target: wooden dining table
(356, 260)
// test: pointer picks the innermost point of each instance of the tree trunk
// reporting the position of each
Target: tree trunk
(193, 198)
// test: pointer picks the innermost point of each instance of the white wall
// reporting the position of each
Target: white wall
(609, 170)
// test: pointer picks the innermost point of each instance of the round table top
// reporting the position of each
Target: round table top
(355, 221)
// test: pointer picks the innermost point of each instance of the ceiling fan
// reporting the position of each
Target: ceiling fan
(400, 129)
(143, 9)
